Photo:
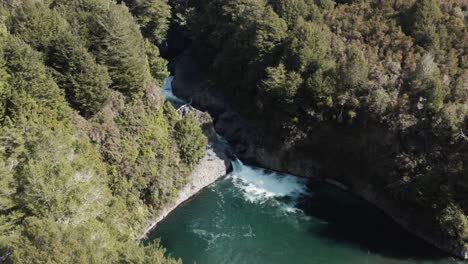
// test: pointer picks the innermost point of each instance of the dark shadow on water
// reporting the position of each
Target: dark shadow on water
(355, 222)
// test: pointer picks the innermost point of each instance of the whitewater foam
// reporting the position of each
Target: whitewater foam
(259, 185)
(210, 237)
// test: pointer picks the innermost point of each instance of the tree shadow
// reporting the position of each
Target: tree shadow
(357, 223)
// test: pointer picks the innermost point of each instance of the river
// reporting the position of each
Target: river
(259, 216)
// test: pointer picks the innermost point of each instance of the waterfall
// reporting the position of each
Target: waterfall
(169, 94)
(237, 165)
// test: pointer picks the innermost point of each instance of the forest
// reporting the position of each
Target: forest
(89, 150)
(378, 87)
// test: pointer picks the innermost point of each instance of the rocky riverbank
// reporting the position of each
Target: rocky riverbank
(212, 167)
(357, 151)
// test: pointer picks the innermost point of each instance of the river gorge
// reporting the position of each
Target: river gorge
(254, 215)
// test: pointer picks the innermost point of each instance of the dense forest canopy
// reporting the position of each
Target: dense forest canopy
(89, 151)
(298, 67)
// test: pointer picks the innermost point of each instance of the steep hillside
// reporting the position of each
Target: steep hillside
(89, 151)
(373, 94)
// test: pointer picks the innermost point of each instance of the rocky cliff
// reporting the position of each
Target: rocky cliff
(363, 155)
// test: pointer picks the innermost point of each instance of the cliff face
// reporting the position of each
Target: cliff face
(354, 159)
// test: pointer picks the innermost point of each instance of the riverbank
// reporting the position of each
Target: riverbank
(256, 148)
(212, 167)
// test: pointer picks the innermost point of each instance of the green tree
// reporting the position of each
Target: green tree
(454, 221)
(291, 10)
(36, 24)
(35, 92)
(379, 101)
(4, 88)
(86, 83)
(158, 65)
(45, 241)
(122, 50)
(75, 70)
(427, 83)
(353, 73)
(8, 221)
(112, 35)
(270, 31)
(153, 17)
(435, 94)
(60, 175)
(191, 141)
(308, 46)
(425, 16)
(280, 84)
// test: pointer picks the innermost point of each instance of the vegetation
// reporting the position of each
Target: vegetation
(304, 68)
(153, 16)
(191, 141)
(88, 151)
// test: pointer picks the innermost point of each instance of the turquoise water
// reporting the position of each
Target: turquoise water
(168, 94)
(258, 216)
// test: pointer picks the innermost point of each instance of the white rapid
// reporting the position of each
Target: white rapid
(259, 185)
(167, 92)
(252, 216)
